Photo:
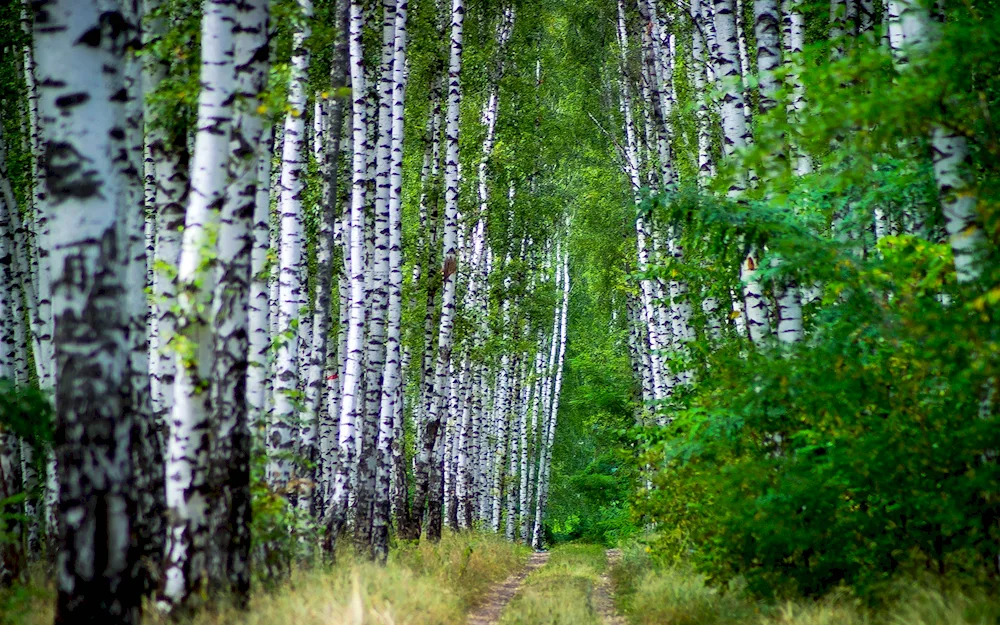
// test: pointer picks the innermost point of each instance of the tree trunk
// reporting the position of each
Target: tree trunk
(87, 199)
(793, 29)
(147, 444)
(425, 473)
(189, 489)
(378, 298)
(545, 455)
(259, 328)
(766, 17)
(12, 367)
(356, 332)
(912, 32)
(291, 267)
(392, 375)
(319, 366)
(229, 563)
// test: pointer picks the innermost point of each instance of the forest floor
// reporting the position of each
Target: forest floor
(500, 595)
(572, 588)
(604, 597)
(422, 584)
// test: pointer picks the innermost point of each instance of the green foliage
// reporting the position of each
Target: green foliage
(651, 592)
(867, 451)
(592, 475)
(26, 412)
(282, 534)
(173, 104)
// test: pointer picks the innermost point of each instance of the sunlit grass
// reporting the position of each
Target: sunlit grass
(425, 584)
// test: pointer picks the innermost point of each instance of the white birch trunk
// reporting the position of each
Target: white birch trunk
(793, 39)
(912, 32)
(378, 297)
(12, 331)
(80, 79)
(425, 473)
(632, 167)
(744, 58)
(229, 561)
(259, 302)
(287, 421)
(22, 308)
(188, 486)
(392, 374)
(545, 457)
(354, 351)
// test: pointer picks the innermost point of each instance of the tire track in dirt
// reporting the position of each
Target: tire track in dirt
(604, 593)
(501, 594)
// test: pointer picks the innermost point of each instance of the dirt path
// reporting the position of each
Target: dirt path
(604, 594)
(489, 613)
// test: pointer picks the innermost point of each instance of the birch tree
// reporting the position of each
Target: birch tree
(229, 564)
(81, 70)
(354, 352)
(545, 453)
(287, 420)
(912, 32)
(427, 473)
(189, 494)
(392, 374)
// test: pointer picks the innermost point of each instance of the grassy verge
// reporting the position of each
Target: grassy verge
(425, 584)
(560, 592)
(652, 595)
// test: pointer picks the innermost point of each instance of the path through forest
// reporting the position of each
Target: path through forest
(604, 592)
(499, 596)
(575, 587)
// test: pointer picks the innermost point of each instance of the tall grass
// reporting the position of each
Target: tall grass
(674, 595)
(425, 584)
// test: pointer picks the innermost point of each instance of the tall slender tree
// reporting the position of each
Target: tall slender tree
(189, 491)
(229, 565)
(81, 62)
(428, 472)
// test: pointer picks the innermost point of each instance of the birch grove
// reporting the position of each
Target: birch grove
(279, 280)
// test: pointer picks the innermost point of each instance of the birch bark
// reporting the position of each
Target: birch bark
(287, 420)
(188, 486)
(229, 558)
(378, 296)
(392, 376)
(912, 32)
(545, 455)
(81, 71)
(424, 471)
(355, 347)
(320, 367)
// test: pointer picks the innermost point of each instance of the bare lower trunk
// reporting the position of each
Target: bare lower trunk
(189, 491)
(427, 467)
(291, 294)
(389, 392)
(229, 560)
(87, 201)
(354, 351)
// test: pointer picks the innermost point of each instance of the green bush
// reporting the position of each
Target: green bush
(865, 452)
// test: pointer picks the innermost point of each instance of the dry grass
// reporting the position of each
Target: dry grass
(421, 585)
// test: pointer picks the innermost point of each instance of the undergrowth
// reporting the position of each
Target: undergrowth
(653, 594)
(422, 584)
